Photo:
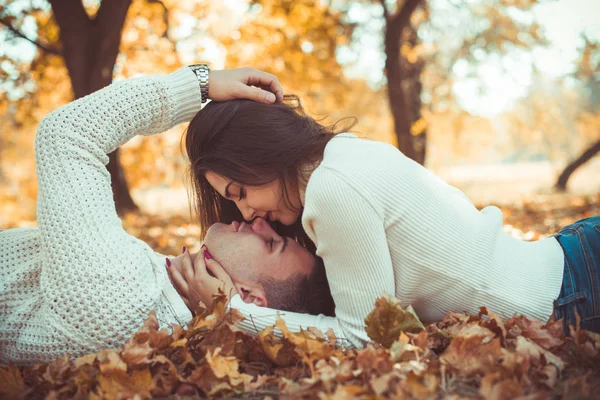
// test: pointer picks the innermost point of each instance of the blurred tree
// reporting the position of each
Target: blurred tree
(296, 40)
(403, 72)
(543, 124)
(436, 38)
(588, 74)
(84, 39)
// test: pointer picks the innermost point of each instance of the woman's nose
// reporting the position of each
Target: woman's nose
(248, 213)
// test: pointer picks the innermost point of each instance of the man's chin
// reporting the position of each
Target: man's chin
(214, 233)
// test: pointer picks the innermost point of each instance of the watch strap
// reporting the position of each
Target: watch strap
(202, 73)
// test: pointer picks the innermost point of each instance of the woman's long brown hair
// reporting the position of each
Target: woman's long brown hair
(253, 144)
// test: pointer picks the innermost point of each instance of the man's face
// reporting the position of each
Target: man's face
(249, 252)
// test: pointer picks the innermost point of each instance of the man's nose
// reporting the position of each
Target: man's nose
(258, 225)
(262, 227)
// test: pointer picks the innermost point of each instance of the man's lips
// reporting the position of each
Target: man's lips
(235, 225)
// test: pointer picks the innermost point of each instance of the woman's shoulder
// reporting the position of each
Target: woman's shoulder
(351, 150)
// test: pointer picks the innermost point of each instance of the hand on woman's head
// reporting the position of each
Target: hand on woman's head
(244, 83)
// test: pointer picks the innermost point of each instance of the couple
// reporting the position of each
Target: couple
(378, 221)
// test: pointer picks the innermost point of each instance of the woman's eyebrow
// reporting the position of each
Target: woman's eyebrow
(227, 189)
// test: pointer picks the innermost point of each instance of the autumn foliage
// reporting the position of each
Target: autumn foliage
(463, 356)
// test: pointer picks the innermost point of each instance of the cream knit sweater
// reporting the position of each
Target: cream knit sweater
(79, 282)
(383, 223)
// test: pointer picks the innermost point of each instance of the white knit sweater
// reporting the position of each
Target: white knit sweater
(383, 223)
(79, 282)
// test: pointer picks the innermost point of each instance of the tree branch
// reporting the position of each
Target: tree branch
(386, 12)
(45, 47)
(402, 17)
(165, 17)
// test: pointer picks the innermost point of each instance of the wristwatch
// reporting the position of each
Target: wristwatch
(201, 71)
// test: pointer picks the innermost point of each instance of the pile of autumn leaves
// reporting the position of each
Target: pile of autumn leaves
(460, 357)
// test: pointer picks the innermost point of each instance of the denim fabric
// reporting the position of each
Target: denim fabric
(581, 280)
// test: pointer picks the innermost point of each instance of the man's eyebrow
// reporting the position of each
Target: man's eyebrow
(285, 242)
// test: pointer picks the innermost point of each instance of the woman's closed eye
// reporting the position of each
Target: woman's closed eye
(228, 194)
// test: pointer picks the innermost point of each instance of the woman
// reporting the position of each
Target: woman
(381, 223)
(79, 282)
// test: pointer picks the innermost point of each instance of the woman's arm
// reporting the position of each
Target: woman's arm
(350, 236)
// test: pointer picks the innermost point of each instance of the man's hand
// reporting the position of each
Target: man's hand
(238, 84)
(194, 282)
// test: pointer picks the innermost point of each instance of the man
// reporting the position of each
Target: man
(252, 260)
(79, 282)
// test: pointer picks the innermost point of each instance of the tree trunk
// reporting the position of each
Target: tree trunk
(561, 183)
(393, 67)
(412, 87)
(90, 49)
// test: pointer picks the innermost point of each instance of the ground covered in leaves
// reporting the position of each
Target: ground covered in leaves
(463, 356)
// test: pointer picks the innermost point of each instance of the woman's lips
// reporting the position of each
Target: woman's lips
(235, 225)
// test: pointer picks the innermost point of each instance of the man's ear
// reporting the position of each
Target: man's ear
(253, 295)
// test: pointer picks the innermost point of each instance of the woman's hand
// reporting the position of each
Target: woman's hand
(194, 283)
(238, 84)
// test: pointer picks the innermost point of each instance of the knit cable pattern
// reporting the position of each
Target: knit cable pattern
(79, 282)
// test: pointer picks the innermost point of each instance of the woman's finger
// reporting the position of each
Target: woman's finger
(178, 281)
(200, 267)
(187, 269)
(219, 273)
(215, 268)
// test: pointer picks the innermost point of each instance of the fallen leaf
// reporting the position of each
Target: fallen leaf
(13, 386)
(388, 319)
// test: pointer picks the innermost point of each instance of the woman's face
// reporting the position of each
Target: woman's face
(264, 201)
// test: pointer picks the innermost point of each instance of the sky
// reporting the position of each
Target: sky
(564, 21)
(505, 79)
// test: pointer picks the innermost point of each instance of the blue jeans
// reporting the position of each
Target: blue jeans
(581, 279)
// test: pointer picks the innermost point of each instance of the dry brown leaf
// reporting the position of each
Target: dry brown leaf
(388, 319)
(13, 386)
(472, 355)
(528, 347)
(120, 385)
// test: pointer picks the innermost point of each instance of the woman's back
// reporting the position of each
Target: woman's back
(440, 253)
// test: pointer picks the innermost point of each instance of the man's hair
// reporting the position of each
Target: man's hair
(300, 292)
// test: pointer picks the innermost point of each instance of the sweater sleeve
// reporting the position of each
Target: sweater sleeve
(349, 232)
(97, 282)
(258, 318)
